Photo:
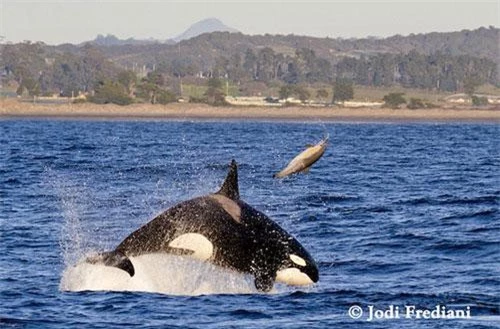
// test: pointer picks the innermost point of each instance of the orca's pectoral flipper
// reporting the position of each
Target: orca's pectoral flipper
(114, 259)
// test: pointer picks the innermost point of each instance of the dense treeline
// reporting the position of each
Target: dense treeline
(413, 70)
(437, 71)
(38, 69)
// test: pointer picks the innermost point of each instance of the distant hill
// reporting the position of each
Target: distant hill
(208, 25)
(204, 49)
(112, 40)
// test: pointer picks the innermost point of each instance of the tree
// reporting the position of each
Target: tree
(286, 91)
(322, 71)
(415, 103)
(181, 67)
(165, 97)
(250, 63)
(470, 84)
(265, 64)
(110, 92)
(302, 93)
(215, 94)
(305, 59)
(292, 74)
(236, 71)
(24, 60)
(65, 75)
(92, 67)
(343, 90)
(30, 85)
(322, 94)
(128, 79)
(479, 101)
(220, 68)
(298, 91)
(394, 100)
(151, 86)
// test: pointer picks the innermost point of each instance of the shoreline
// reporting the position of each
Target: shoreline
(12, 109)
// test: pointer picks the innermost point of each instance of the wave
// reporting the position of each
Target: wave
(463, 246)
(447, 199)
(473, 214)
(44, 157)
(327, 198)
(484, 229)
(250, 314)
(79, 147)
(12, 181)
(483, 199)
(222, 166)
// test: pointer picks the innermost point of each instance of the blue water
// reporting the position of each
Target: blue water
(394, 214)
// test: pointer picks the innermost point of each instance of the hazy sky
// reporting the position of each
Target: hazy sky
(61, 21)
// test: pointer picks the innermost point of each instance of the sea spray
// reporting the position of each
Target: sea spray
(72, 199)
(158, 273)
(71, 239)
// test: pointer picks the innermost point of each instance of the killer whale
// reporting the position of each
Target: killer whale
(222, 229)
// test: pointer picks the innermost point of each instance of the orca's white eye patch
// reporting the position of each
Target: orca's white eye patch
(298, 260)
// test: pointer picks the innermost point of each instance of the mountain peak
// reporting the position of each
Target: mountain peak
(207, 25)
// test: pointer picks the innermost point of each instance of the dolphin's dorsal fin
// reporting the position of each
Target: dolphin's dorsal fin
(230, 186)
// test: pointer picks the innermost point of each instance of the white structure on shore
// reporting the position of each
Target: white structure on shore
(466, 100)
(261, 101)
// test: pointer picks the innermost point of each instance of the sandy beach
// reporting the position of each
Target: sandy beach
(14, 109)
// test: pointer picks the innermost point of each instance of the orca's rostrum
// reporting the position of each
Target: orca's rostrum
(222, 229)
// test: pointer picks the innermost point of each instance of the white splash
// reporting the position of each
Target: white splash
(158, 273)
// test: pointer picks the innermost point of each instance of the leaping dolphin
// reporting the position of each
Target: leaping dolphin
(222, 229)
(303, 161)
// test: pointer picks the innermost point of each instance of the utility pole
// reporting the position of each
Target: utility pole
(180, 73)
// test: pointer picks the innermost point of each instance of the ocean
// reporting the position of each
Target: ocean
(402, 219)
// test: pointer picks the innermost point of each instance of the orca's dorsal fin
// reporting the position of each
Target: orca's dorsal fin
(230, 186)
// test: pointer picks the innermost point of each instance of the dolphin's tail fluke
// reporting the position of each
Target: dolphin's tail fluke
(326, 137)
(114, 259)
